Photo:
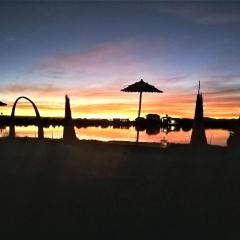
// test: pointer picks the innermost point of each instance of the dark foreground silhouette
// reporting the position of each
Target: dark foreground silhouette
(118, 191)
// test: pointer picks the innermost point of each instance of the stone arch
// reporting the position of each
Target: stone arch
(12, 133)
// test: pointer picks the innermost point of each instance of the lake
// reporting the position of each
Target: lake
(214, 136)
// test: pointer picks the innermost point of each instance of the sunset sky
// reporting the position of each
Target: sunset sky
(91, 50)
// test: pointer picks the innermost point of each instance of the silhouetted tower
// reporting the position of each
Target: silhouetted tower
(198, 132)
(68, 132)
(199, 106)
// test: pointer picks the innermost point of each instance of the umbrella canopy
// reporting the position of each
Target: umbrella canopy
(141, 87)
(2, 104)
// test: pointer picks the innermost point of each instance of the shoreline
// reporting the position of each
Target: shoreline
(110, 142)
(184, 123)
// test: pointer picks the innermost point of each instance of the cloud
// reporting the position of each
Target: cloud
(204, 12)
(224, 91)
(104, 63)
(116, 63)
(222, 84)
(30, 88)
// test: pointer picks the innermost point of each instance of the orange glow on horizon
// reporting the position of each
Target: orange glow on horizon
(123, 105)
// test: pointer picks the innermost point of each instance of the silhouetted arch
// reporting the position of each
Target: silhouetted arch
(12, 125)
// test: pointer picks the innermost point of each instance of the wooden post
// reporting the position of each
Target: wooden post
(137, 136)
(140, 104)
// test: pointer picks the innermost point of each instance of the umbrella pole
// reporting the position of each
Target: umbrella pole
(137, 136)
(140, 104)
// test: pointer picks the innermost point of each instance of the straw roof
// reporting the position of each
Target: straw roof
(141, 86)
(3, 104)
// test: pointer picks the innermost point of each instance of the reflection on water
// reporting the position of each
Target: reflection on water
(214, 136)
(217, 137)
(4, 132)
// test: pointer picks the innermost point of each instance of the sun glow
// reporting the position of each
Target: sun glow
(121, 105)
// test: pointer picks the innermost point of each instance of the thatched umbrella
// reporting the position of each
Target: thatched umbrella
(2, 104)
(141, 87)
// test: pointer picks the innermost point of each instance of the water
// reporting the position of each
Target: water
(214, 136)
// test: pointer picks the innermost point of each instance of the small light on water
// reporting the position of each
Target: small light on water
(163, 143)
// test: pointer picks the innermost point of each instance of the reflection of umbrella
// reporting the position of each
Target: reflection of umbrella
(141, 87)
(2, 104)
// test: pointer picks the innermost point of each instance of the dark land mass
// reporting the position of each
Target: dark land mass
(119, 190)
(142, 124)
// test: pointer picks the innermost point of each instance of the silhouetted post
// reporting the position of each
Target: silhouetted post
(140, 104)
(68, 132)
(12, 133)
(198, 132)
(137, 139)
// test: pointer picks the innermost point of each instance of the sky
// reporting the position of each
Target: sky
(90, 50)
